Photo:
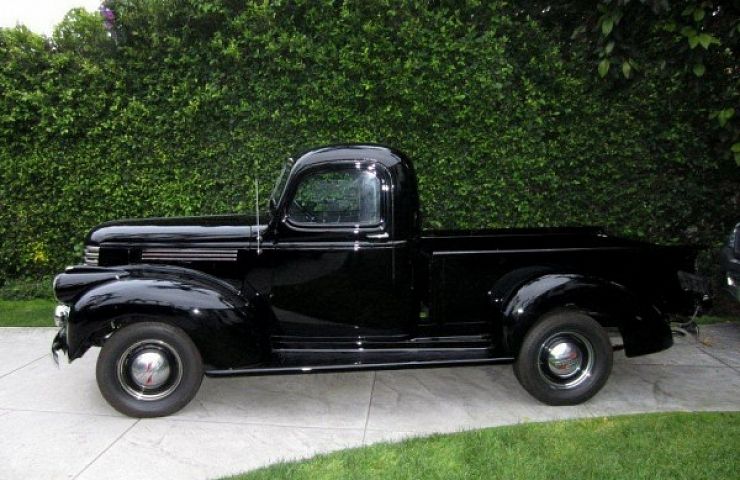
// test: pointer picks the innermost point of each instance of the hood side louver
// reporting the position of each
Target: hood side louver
(188, 254)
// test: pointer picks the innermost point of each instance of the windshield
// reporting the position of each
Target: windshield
(281, 181)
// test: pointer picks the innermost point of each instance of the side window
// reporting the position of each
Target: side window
(348, 196)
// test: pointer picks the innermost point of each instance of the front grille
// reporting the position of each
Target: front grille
(92, 255)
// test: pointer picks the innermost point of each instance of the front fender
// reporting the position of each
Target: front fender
(643, 328)
(224, 324)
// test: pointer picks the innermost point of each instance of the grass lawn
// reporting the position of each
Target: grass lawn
(652, 446)
(710, 319)
(27, 313)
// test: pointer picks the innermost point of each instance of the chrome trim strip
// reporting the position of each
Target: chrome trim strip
(195, 255)
(180, 245)
(190, 254)
(345, 245)
(92, 255)
(191, 250)
(188, 259)
(276, 370)
(185, 254)
(526, 250)
(370, 349)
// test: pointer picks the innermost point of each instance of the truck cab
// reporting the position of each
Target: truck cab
(338, 275)
(338, 245)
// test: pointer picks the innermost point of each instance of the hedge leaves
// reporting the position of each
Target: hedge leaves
(185, 103)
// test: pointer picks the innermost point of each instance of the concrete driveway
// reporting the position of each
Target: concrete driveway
(55, 424)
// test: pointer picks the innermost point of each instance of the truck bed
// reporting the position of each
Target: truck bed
(461, 268)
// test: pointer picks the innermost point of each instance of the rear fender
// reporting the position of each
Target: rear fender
(227, 326)
(644, 329)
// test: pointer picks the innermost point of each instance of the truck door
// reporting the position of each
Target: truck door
(334, 256)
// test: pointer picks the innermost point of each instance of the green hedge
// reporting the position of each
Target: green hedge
(180, 108)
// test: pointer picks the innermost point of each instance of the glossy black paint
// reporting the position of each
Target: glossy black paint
(223, 322)
(216, 228)
(347, 281)
(642, 327)
(623, 283)
(75, 281)
(286, 296)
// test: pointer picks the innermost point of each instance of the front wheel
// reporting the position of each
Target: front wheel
(149, 370)
(565, 359)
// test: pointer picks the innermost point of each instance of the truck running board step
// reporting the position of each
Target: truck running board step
(293, 362)
(460, 343)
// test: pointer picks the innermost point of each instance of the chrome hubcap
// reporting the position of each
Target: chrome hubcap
(149, 370)
(566, 360)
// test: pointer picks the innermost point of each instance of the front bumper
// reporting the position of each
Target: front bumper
(61, 316)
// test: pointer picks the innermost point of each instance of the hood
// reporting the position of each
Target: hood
(215, 228)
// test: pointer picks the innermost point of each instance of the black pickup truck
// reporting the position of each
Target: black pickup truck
(339, 276)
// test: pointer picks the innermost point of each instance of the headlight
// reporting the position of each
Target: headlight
(61, 313)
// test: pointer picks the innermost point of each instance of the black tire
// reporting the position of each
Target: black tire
(130, 390)
(580, 362)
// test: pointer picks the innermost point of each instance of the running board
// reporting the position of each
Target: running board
(460, 343)
(292, 362)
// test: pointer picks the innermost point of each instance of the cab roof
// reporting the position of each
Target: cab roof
(387, 156)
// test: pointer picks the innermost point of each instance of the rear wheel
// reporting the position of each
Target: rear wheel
(149, 370)
(565, 359)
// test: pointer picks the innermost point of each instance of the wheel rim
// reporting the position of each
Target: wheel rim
(566, 360)
(149, 370)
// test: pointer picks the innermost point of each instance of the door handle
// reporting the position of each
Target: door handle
(378, 236)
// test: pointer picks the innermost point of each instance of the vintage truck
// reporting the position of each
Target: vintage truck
(340, 276)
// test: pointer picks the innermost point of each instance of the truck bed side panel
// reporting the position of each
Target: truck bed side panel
(465, 267)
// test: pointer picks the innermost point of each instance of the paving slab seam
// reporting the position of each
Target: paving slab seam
(106, 449)
(254, 424)
(670, 364)
(719, 359)
(24, 366)
(62, 412)
(369, 405)
(403, 432)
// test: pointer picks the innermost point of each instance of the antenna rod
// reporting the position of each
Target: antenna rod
(257, 208)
